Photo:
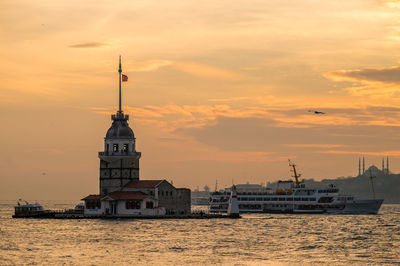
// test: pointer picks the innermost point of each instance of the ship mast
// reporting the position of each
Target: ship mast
(371, 177)
(295, 174)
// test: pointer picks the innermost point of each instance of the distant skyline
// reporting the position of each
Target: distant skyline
(217, 90)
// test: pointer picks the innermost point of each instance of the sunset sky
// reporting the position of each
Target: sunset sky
(217, 90)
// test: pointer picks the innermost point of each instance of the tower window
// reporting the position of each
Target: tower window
(125, 149)
(115, 147)
(108, 147)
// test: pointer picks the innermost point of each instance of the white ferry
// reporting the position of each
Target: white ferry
(294, 197)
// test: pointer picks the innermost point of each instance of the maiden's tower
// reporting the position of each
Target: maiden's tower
(119, 162)
(122, 193)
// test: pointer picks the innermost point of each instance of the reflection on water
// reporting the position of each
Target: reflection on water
(255, 239)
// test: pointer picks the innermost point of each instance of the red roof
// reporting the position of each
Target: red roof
(93, 197)
(143, 183)
(127, 195)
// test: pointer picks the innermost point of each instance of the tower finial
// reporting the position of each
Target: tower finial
(120, 71)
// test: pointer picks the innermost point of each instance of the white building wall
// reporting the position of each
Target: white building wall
(122, 211)
(94, 212)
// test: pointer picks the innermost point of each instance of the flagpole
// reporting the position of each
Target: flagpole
(120, 71)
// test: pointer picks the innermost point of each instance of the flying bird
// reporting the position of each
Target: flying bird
(316, 112)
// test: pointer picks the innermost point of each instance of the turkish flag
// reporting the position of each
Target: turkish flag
(124, 78)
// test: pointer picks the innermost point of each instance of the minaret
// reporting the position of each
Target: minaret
(359, 166)
(387, 165)
(119, 162)
(383, 165)
(363, 165)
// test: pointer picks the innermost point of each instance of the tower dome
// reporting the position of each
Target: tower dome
(120, 128)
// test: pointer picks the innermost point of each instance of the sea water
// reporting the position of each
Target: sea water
(256, 239)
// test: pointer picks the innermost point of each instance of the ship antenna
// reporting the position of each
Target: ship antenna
(295, 174)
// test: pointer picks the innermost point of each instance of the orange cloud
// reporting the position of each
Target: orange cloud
(88, 45)
(377, 82)
(171, 117)
(312, 145)
(205, 71)
(393, 153)
(148, 66)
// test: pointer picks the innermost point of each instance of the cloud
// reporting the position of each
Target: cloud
(313, 145)
(88, 45)
(231, 99)
(389, 75)
(174, 140)
(172, 117)
(206, 71)
(193, 69)
(372, 82)
(148, 66)
(392, 153)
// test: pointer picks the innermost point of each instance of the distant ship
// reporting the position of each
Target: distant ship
(293, 197)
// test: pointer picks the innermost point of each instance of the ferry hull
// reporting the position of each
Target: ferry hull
(360, 207)
(353, 207)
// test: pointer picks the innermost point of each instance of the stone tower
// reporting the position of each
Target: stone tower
(119, 162)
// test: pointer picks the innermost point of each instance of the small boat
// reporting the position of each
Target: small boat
(29, 210)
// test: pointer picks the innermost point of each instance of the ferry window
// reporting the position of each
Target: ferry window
(282, 199)
(312, 199)
(289, 199)
(266, 199)
(115, 147)
(125, 148)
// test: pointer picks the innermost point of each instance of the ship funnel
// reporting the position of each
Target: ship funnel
(233, 207)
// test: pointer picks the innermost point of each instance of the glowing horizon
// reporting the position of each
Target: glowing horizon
(215, 91)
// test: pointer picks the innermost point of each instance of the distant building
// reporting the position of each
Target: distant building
(250, 188)
(121, 192)
(373, 169)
